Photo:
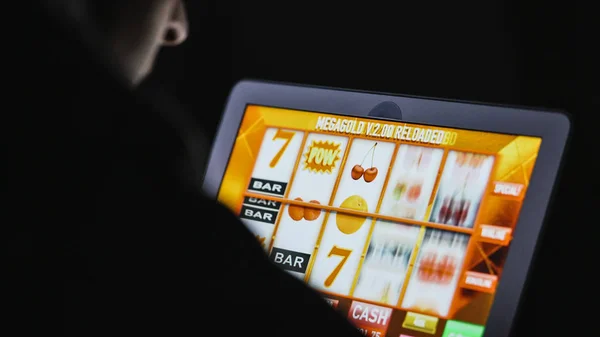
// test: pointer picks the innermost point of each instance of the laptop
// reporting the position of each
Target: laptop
(411, 216)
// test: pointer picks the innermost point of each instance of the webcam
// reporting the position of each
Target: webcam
(386, 109)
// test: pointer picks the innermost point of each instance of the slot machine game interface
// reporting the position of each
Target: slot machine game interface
(403, 228)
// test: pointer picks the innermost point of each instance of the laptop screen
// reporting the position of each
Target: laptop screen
(403, 228)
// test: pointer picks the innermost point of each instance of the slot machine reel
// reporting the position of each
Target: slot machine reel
(475, 164)
(415, 186)
(403, 211)
(446, 265)
(428, 258)
(369, 174)
(298, 213)
(400, 188)
(419, 172)
(390, 255)
(438, 264)
(455, 208)
(406, 193)
(417, 164)
(386, 264)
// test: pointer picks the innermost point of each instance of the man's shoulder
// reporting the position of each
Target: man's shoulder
(214, 270)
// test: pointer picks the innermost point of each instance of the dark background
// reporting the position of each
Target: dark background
(517, 53)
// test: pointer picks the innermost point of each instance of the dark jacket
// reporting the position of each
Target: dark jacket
(104, 238)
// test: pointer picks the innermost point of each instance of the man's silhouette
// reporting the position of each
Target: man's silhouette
(103, 237)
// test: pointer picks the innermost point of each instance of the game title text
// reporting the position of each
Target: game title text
(403, 132)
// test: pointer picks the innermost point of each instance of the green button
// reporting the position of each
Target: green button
(461, 329)
(419, 322)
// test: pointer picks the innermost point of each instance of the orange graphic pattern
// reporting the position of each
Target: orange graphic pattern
(491, 234)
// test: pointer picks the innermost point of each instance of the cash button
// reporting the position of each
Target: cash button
(462, 329)
(420, 322)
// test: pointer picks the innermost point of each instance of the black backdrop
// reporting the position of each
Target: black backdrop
(501, 52)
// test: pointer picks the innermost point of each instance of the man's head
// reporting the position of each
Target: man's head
(133, 31)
